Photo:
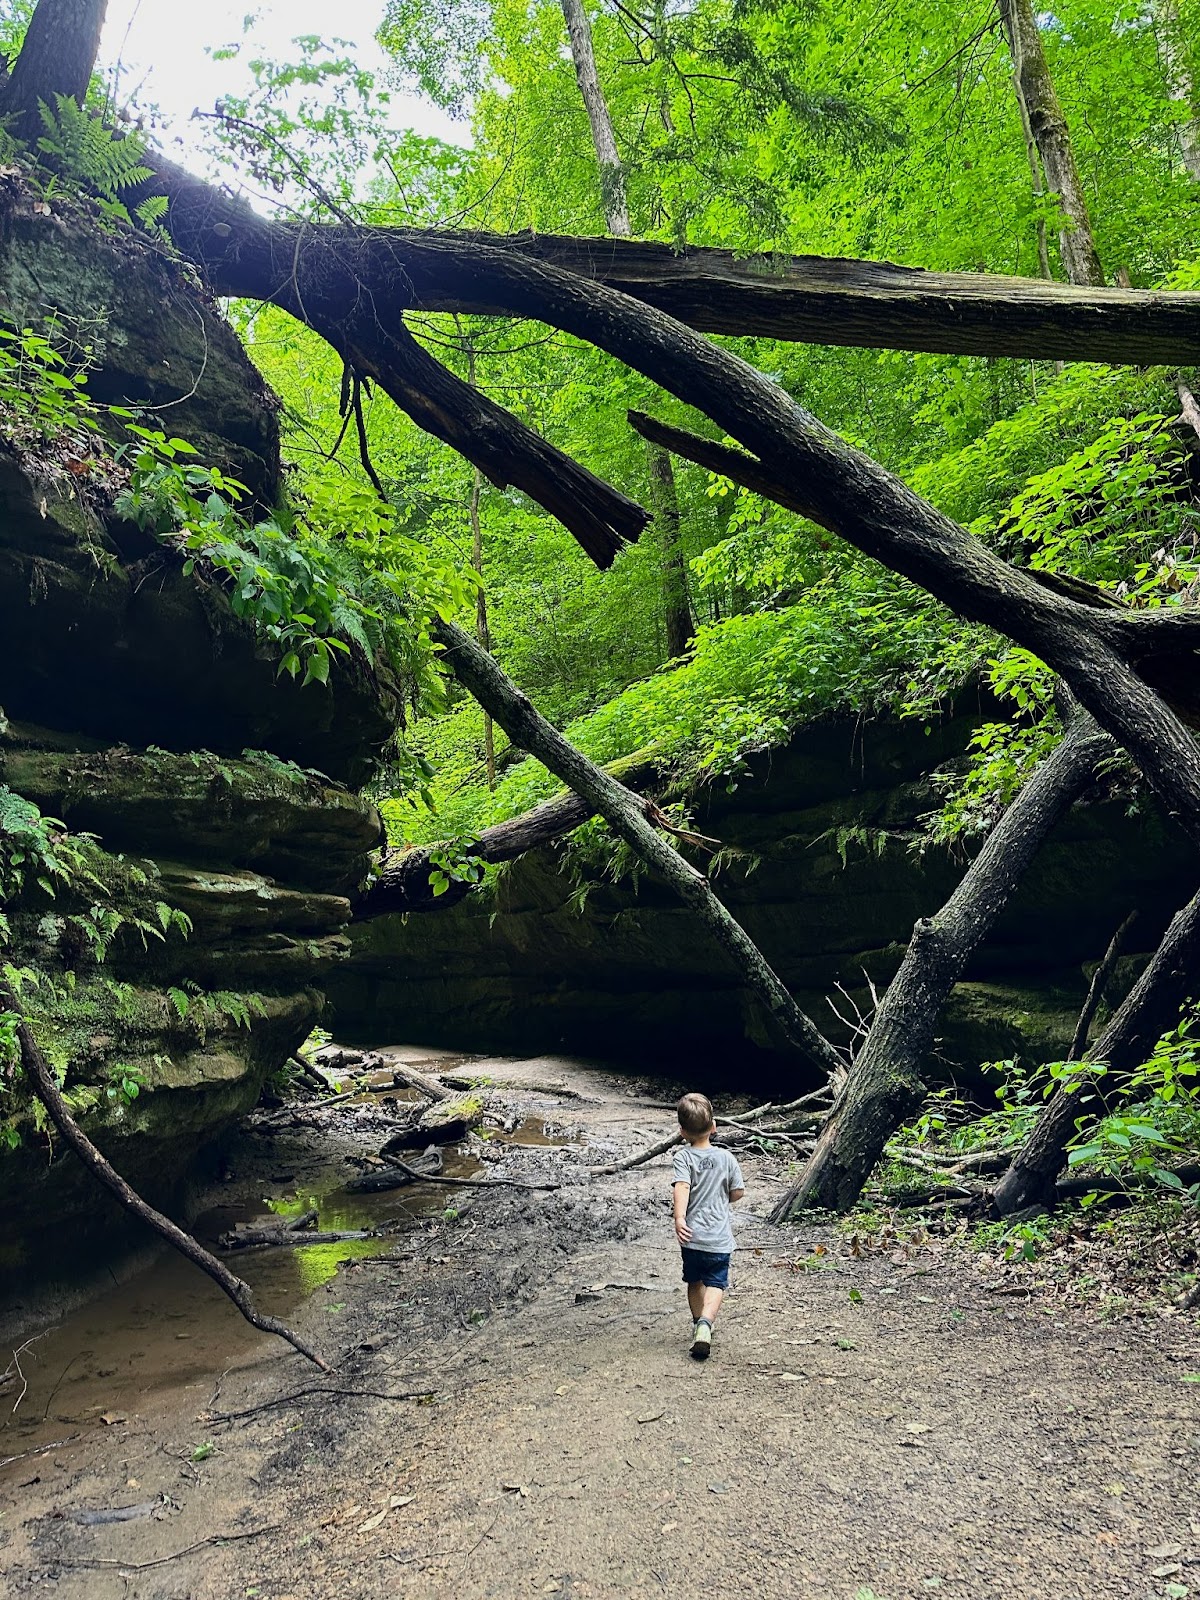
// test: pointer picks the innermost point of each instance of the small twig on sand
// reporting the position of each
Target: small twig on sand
(39, 1449)
(161, 1561)
(469, 1183)
(314, 1389)
(41, 1081)
(636, 1161)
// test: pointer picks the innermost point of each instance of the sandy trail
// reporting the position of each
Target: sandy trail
(864, 1425)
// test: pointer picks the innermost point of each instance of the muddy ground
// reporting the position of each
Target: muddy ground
(515, 1413)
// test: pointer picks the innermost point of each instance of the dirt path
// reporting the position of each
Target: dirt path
(865, 1426)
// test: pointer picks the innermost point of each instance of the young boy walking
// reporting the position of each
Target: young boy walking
(705, 1181)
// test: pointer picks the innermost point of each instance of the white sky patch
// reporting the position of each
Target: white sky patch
(161, 45)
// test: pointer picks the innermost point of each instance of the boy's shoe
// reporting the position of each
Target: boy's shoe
(701, 1340)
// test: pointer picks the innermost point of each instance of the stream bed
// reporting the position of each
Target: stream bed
(158, 1337)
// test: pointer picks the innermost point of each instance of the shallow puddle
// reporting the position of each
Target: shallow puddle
(159, 1339)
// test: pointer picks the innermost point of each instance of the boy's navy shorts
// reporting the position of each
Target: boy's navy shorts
(702, 1266)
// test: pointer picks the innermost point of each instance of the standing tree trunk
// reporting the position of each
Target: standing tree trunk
(677, 605)
(627, 815)
(481, 619)
(1148, 1011)
(58, 57)
(885, 1084)
(1181, 86)
(1036, 178)
(1035, 88)
(612, 174)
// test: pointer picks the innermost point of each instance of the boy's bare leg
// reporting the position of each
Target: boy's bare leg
(696, 1293)
(710, 1302)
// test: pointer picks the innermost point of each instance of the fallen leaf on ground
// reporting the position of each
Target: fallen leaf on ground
(916, 1427)
(669, 1527)
(1170, 1570)
(515, 1488)
(399, 1500)
(656, 1416)
(791, 1377)
(1164, 1552)
(372, 1523)
(110, 1419)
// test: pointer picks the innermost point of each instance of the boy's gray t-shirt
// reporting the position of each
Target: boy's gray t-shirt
(712, 1174)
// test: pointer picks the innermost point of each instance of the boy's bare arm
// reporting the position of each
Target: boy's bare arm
(736, 1194)
(681, 1192)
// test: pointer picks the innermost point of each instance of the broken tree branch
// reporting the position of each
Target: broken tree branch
(404, 884)
(1148, 1010)
(41, 1081)
(1096, 988)
(624, 813)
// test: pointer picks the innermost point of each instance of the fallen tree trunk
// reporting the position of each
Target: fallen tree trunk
(886, 1083)
(41, 1081)
(625, 813)
(404, 884)
(1149, 1009)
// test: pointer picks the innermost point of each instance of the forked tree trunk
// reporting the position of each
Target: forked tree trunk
(57, 57)
(1053, 139)
(626, 815)
(1148, 1011)
(885, 1085)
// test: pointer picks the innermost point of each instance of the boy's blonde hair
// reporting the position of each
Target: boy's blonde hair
(695, 1113)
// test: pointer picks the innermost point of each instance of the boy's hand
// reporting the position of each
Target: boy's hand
(682, 1232)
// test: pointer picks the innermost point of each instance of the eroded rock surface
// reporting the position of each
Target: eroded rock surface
(134, 706)
(827, 884)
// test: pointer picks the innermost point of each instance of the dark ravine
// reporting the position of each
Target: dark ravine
(518, 969)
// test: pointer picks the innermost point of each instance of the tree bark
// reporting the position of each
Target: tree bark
(625, 813)
(1148, 1011)
(41, 1081)
(885, 1085)
(604, 140)
(677, 605)
(1174, 49)
(1052, 137)
(842, 490)
(816, 299)
(404, 885)
(57, 57)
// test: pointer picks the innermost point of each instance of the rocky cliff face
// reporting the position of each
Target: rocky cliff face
(830, 889)
(137, 708)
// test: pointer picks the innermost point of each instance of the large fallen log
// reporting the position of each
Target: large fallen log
(817, 299)
(405, 882)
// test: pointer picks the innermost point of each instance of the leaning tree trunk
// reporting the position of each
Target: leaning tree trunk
(1052, 137)
(885, 1084)
(627, 815)
(57, 57)
(608, 157)
(42, 1083)
(1148, 1011)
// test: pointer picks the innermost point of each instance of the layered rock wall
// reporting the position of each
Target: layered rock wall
(829, 885)
(135, 707)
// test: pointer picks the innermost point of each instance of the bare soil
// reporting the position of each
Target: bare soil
(869, 1425)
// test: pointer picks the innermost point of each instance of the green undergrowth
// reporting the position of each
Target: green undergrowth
(1090, 481)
